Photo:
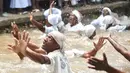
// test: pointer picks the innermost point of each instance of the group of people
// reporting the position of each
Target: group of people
(23, 6)
(52, 54)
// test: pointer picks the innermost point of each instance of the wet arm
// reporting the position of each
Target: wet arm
(90, 53)
(38, 25)
(35, 48)
(111, 69)
(120, 48)
(37, 57)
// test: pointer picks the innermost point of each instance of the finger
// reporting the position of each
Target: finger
(96, 60)
(19, 35)
(12, 33)
(10, 48)
(26, 36)
(104, 57)
(16, 41)
(10, 45)
(28, 40)
(23, 35)
(92, 62)
(92, 67)
(94, 44)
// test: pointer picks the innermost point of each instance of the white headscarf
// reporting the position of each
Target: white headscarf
(54, 11)
(109, 10)
(89, 30)
(59, 38)
(77, 14)
(54, 19)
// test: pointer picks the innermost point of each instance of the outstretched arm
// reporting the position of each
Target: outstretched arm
(97, 46)
(21, 46)
(119, 48)
(37, 24)
(32, 46)
(102, 65)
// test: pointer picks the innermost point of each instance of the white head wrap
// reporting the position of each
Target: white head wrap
(106, 8)
(77, 14)
(89, 30)
(54, 11)
(59, 38)
(54, 19)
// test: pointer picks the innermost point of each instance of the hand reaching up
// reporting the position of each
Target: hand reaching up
(15, 30)
(98, 64)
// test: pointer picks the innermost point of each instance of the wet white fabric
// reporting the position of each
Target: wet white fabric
(77, 14)
(54, 19)
(54, 11)
(89, 30)
(107, 20)
(50, 29)
(99, 21)
(74, 53)
(74, 2)
(77, 27)
(61, 27)
(59, 38)
(117, 28)
(59, 63)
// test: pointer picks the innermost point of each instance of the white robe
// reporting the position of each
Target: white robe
(59, 63)
(77, 27)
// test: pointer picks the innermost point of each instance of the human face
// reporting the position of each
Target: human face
(94, 34)
(72, 20)
(105, 12)
(49, 44)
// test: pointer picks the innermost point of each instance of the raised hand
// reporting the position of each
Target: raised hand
(23, 41)
(14, 48)
(31, 17)
(15, 30)
(52, 4)
(99, 64)
(99, 44)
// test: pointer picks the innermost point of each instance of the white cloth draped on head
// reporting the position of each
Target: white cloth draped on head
(59, 38)
(54, 11)
(54, 19)
(77, 14)
(89, 30)
(109, 10)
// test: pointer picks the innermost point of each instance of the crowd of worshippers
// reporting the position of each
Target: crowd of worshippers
(23, 6)
(52, 54)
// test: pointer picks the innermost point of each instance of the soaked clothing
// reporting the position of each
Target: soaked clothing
(59, 63)
(77, 27)
(50, 29)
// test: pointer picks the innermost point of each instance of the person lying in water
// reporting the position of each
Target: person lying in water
(35, 48)
(103, 64)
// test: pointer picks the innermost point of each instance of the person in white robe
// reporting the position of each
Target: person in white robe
(111, 25)
(99, 21)
(75, 22)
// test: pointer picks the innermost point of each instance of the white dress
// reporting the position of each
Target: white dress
(59, 63)
(20, 3)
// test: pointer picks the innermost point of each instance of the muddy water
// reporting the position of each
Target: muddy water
(10, 62)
